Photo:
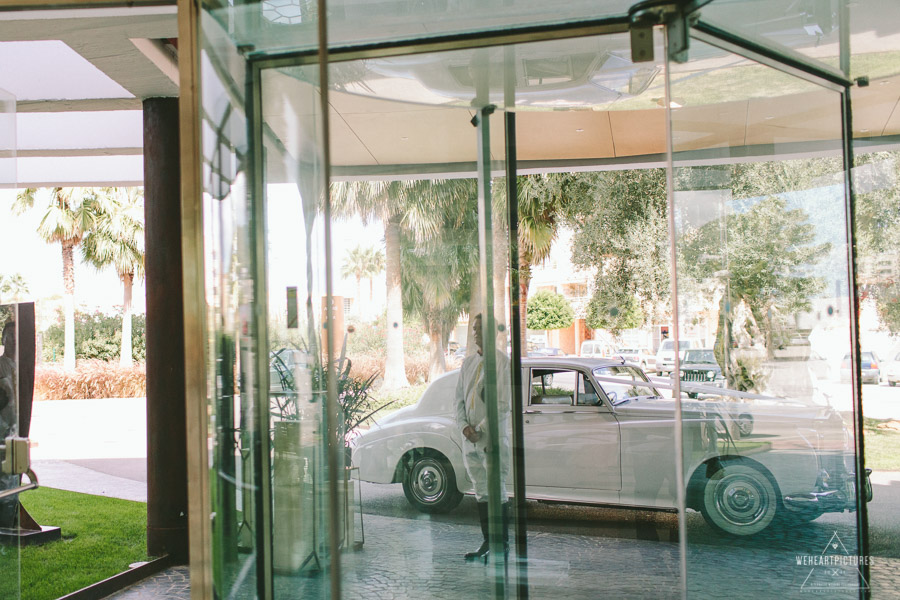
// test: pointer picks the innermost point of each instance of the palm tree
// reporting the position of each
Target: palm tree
(356, 265)
(70, 214)
(438, 275)
(540, 197)
(14, 285)
(374, 267)
(418, 206)
(117, 240)
(363, 262)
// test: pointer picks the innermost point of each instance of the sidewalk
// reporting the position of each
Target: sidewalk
(91, 446)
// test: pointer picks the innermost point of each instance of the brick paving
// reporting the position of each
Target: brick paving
(422, 559)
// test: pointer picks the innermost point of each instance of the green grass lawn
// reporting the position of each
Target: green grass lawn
(100, 537)
(882, 446)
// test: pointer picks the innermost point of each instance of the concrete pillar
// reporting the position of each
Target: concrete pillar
(167, 524)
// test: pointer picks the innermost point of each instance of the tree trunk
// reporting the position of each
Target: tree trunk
(437, 366)
(359, 302)
(125, 358)
(394, 364)
(68, 261)
(524, 284)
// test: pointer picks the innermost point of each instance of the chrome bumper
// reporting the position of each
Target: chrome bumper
(831, 500)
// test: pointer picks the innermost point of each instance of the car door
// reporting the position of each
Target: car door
(571, 434)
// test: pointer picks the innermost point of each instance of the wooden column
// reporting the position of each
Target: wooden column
(167, 524)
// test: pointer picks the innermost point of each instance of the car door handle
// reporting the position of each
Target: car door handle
(532, 412)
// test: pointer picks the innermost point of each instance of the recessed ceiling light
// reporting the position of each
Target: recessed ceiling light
(404, 138)
(579, 130)
(769, 118)
(864, 131)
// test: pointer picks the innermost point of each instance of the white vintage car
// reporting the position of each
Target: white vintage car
(598, 431)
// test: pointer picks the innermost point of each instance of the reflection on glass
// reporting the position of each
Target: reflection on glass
(272, 25)
(762, 287)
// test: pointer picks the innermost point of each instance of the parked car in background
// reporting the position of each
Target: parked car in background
(869, 368)
(547, 351)
(665, 354)
(699, 366)
(638, 356)
(612, 429)
(892, 372)
(596, 349)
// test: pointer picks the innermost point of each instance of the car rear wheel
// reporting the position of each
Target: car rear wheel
(745, 424)
(739, 499)
(430, 484)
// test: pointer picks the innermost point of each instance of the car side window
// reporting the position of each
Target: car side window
(587, 395)
(553, 387)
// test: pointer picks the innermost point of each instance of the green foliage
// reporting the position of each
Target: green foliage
(12, 287)
(887, 303)
(614, 313)
(97, 336)
(621, 234)
(100, 538)
(438, 272)
(549, 310)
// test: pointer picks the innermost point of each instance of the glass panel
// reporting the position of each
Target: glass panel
(10, 562)
(812, 28)
(272, 25)
(295, 275)
(761, 243)
(232, 334)
(878, 246)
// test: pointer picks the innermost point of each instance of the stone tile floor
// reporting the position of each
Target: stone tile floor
(422, 559)
(173, 583)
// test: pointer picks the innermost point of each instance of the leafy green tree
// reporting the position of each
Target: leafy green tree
(69, 214)
(766, 264)
(117, 240)
(549, 310)
(878, 227)
(614, 313)
(14, 286)
(620, 227)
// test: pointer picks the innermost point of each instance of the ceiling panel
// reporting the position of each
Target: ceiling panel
(559, 135)
(637, 132)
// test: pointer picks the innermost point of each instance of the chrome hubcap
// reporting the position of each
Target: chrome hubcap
(429, 482)
(741, 501)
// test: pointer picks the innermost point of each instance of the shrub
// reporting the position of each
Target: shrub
(97, 336)
(91, 379)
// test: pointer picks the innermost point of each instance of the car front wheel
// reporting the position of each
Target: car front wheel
(739, 499)
(430, 484)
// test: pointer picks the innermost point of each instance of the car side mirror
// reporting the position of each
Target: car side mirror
(547, 380)
(612, 397)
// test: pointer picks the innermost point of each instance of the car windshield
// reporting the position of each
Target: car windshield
(700, 356)
(623, 383)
